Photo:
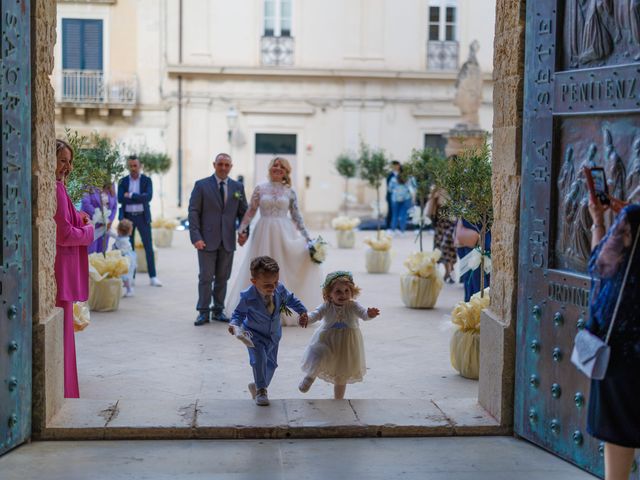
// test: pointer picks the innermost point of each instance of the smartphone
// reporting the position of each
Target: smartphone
(597, 184)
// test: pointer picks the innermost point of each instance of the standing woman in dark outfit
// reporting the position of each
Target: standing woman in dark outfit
(614, 409)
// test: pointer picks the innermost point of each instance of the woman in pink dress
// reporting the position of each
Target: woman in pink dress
(74, 233)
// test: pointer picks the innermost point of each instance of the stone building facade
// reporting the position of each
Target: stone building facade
(308, 80)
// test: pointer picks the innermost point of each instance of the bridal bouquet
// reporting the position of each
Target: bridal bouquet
(318, 250)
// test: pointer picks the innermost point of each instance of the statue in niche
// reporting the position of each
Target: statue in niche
(565, 177)
(574, 12)
(597, 37)
(577, 211)
(616, 171)
(633, 180)
(468, 96)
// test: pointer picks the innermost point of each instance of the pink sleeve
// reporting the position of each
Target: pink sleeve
(614, 248)
(68, 235)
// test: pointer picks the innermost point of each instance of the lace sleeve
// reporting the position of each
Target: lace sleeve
(360, 311)
(296, 216)
(251, 212)
(318, 313)
(611, 252)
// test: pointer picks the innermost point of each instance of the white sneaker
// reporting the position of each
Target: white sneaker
(129, 292)
(262, 399)
(154, 282)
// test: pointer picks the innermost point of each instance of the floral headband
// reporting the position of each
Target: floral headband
(334, 275)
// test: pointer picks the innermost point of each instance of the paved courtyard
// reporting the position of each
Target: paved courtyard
(150, 348)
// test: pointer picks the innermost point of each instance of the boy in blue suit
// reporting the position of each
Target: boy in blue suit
(258, 315)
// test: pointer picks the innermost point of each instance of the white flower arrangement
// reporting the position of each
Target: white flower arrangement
(466, 315)
(423, 264)
(164, 223)
(381, 244)
(345, 223)
(101, 216)
(318, 250)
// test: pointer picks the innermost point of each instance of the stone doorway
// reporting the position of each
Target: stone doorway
(496, 383)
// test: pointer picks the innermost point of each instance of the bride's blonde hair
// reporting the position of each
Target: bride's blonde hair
(286, 166)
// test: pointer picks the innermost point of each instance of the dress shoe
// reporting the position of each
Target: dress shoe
(202, 319)
(220, 317)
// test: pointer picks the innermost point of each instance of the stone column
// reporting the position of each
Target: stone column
(497, 327)
(48, 383)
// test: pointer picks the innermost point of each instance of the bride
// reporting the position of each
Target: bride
(282, 237)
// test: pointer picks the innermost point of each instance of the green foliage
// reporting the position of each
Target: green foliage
(96, 163)
(346, 166)
(373, 165)
(423, 167)
(373, 168)
(155, 162)
(467, 181)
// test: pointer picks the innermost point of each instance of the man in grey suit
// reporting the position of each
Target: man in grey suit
(216, 203)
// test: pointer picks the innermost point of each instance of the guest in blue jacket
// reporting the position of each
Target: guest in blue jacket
(134, 195)
(257, 317)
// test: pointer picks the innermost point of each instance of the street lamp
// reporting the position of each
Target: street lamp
(232, 120)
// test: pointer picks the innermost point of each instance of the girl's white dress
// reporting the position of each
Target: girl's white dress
(281, 234)
(336, 351)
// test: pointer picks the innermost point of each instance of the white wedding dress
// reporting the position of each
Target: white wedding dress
(279, 233)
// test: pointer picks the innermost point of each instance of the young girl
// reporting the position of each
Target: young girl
(336, 351)
(123, 243)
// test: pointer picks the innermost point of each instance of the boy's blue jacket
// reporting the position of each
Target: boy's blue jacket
(251, 312)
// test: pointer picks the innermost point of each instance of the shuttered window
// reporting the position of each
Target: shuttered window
(81, 44)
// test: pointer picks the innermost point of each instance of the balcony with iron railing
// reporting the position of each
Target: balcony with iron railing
(277, 51)
(442, 55)
(93, 89)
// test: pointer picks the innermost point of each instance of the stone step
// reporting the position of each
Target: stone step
(85, 419)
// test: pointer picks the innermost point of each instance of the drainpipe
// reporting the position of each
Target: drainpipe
(180, 106)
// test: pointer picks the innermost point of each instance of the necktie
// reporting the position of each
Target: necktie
(222, 193)
(270, 305)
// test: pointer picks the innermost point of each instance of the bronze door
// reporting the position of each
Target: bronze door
(15, 225)
(581, 108)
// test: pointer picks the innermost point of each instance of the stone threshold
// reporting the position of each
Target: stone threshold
(85, 419)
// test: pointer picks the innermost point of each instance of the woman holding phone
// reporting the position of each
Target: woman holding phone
(614, 412)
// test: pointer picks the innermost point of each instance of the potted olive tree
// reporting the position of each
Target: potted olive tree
(372, 166)
(467, 181)
(346, 166)
(159, 163)
(421, 286)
